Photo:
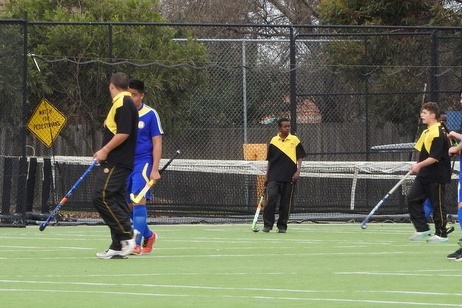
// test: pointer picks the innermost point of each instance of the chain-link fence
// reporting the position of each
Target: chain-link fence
(217, 87)
(12, 114)
(346, 89)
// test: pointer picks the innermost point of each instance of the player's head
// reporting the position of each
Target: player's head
(136, 88)
(118, 83)
(284, 126)
(430, 113)
(282, 120)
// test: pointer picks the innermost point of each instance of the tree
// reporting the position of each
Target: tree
(384, 12)
(394, 62)
(264, 12)
(75, 59)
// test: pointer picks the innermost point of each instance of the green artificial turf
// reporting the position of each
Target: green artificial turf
(312, 265)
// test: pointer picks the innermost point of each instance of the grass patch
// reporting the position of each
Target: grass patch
(313, 265)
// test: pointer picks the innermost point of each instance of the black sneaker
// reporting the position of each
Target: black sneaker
(266, 229)
(282, 230)
(456, 255)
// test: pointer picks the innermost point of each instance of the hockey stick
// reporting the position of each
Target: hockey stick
(366, 220)
(149, 184)
(257, 212)
(44, 224)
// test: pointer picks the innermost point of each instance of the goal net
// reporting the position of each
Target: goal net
(213, 191)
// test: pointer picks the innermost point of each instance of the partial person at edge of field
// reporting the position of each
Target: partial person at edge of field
(285, 154)
(147, 159)
(456, 150)
(433, 172)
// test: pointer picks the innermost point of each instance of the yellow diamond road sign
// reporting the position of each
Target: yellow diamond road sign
(46, 122)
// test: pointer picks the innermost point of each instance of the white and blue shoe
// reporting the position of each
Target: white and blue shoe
(437, 239)
(418, 235)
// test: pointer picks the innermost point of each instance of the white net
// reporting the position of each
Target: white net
(224, 190)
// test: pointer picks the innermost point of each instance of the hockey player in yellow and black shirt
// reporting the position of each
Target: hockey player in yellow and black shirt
(116, 158)
(433, 172)
(284, 156)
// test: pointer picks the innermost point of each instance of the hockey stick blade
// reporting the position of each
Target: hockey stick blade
(149, 184)
(143, 192)
(257, 213)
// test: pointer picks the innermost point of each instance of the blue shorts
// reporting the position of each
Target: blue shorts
(138, 179)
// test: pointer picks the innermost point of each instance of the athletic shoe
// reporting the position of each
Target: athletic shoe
(149, 243)
(266, 229)
(456, 255)
(436, 239)
(136, 250)
(110, 254)
(418, 235)
(127, 247)
(282, 230)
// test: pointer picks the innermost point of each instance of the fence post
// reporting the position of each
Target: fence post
(293, 83)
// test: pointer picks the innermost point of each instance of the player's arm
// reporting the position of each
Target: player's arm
(296, 175)
(454, 135)
(117, 140)
(426, 162)
(455, 149)
(436, 152)
(156, 154)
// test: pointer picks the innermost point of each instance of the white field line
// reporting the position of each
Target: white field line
(275, 298)
(191, 287)
(398, 274)
(175, 274)
(54, 276)
(257, 255)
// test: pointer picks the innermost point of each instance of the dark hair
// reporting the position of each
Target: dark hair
(136, 84)
(120, 80)
(432, 107)
(282, 120)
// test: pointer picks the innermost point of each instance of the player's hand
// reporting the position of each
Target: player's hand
(155, 175)
(415, 168)
(100, 155)
(453, 150)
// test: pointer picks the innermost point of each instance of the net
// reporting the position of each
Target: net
(219, 191)
(395, 147)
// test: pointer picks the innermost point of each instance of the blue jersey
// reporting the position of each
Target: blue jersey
(148, 127)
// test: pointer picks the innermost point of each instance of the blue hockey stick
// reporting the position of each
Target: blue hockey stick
(44, 224)
(366, 220)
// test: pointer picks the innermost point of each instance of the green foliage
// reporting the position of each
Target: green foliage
(394, 62)
(378, 12)
(11, 98)
(75, 59)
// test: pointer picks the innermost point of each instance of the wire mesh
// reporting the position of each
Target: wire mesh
(217, 87)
